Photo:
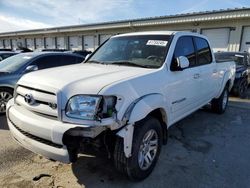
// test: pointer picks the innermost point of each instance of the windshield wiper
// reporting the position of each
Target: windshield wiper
(128, 63)
(95, 61)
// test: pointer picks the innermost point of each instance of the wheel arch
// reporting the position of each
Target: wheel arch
(153, 104)
(228, 81)
(148, 105)
(7, 87)
(161, 115)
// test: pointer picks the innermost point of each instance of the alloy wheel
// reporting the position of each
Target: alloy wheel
(148, 149)
(4, 98)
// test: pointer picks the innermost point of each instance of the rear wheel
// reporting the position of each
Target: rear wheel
(242, 88)
(147, 141)
(219, 105)
(5, 95)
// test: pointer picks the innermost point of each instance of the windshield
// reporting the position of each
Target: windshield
(147, 51)
(237, 58)
(14, 63)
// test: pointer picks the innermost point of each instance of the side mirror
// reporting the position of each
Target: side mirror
(180, 63)
(183, 62)
(31, 68)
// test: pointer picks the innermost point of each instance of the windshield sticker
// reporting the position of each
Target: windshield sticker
(27, 57)
(157, 42)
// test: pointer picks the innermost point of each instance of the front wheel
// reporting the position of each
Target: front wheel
(219, 105)
(147, 141)
(146, 147)
(5, 95)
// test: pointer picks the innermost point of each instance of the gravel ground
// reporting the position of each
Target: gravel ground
(203, 150)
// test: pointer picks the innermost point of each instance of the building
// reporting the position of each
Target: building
(228, 30)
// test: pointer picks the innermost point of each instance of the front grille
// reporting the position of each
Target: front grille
(44, 141)
(44, 102)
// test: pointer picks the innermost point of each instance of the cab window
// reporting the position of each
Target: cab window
(204, 55)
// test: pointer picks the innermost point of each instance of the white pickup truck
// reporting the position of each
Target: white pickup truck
(122, 100)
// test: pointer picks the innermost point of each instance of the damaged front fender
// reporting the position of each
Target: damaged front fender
(137, 111)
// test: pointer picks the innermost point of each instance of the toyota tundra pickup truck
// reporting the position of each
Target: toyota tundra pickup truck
(121, 100)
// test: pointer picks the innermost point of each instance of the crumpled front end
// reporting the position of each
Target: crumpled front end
(36, 122)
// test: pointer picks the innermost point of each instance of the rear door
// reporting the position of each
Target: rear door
(207, 69)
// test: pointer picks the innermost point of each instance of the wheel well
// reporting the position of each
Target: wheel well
(12, 89)
(161, 116)
(229, 84)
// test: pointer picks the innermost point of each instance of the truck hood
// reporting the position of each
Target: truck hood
(80, 79)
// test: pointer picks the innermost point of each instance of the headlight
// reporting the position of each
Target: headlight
(83, 107)
(89, 107)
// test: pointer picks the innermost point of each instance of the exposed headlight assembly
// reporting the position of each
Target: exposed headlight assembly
(90, 107)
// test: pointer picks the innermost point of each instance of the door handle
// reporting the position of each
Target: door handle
(214, 71)
(196, 76)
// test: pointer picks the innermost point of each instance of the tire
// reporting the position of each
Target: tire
(5, 95)
(242, 88)
(219, 105)
(136, 167)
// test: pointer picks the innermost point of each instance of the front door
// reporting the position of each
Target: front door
(183, 87)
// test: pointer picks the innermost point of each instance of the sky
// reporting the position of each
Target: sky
(35, 14)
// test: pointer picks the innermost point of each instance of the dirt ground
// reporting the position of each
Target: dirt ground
(203, 150)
